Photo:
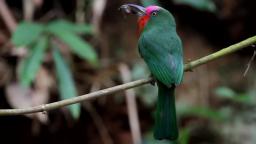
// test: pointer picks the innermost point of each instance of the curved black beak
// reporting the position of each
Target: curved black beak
(133, 9)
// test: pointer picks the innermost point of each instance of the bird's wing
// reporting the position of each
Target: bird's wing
(164, 61)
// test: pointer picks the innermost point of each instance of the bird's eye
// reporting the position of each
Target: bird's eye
(154, 13)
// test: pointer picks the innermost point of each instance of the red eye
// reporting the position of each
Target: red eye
(154, 13)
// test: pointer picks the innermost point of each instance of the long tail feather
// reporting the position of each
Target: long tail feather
(166, 123)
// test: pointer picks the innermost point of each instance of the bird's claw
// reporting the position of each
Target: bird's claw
(153, 82)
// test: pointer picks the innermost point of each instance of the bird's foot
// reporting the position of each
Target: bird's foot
(153, 82)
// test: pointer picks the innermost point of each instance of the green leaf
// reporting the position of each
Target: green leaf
(65, 82)
(203, 112)
(31, 64)
(77, 45)
(205, 5)
(184, 136)
(26, 33)
(225, 92)
(146, 3)
(243, 98)
(68, 26)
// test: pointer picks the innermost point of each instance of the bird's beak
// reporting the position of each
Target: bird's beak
(133, 9)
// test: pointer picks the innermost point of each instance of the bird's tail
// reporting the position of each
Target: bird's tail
(166, 124)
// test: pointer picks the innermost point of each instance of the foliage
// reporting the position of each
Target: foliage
(229, 117)
(229, 94)
(241, 108)
(202, 112)
(184, 136)
(60, 25)
(65, 80)
(31, 64)
(27, 33)
(37, 38)
(65, 31)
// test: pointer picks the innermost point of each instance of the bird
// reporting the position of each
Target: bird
(161, 48)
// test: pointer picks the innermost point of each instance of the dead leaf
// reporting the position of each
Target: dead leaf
(21, 97)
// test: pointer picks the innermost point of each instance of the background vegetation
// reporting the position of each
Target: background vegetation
(57, 49)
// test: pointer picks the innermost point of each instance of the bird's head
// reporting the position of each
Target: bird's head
(151, 16)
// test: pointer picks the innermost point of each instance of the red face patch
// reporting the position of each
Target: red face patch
(142, 22)
(144, 19)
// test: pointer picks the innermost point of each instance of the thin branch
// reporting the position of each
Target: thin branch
(28, 9)
(11, 24)
(221, 53)
(249, 63)
(80, 14)
(7, 16)
(108, 91)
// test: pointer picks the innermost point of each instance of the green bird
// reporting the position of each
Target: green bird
(161, 48)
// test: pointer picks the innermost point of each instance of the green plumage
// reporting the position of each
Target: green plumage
(165, 125)
(161, 48)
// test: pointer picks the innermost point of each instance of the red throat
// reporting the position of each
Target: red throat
(141, 23)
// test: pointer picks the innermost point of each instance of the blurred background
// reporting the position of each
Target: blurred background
(56, 49)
